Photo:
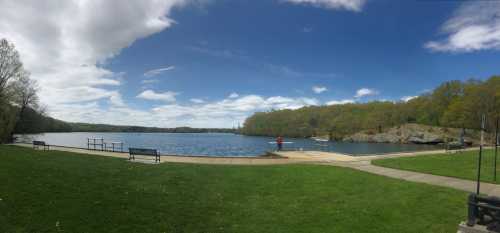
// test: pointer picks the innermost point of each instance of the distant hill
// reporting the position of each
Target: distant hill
(35, 122)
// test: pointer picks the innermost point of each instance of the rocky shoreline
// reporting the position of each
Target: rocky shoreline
(415, 134)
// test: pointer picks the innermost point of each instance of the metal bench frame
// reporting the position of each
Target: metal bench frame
(38, 144)
(484, 210)
(143, 152)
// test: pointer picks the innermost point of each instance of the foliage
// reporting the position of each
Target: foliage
(12, 74)
(7, 120)
(85, 127)
(462, 165)
(55, 191)
(10, 65)
(452, 104)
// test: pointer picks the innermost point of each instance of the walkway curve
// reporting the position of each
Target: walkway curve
(450, 182)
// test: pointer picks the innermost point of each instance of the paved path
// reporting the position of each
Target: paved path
(361, 163)
(460, 184)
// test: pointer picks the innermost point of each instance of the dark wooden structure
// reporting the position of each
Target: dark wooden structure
(143, 152)
(38, 144)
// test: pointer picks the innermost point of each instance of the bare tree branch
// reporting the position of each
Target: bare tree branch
(11, 66)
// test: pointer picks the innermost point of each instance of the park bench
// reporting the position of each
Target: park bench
(37, 144)
(454, 147)
(143, 152)
(485, 211)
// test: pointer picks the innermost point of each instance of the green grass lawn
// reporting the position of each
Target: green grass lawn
(66, 192)
(462, 165)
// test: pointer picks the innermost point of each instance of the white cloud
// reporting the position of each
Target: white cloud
(319, 89)
(474, 26)
(288, 71)
(151, 73)
(66, 44)
(233, 95)
(223, 113)
(116, 100)
(337, 102)
(168, 96)
(352, 5)
(149, 81)
(365, 92)
(408, 98)
(307, 29)
(197, 101)
(228, 111)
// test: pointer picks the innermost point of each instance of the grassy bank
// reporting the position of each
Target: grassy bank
(66, 192)
(461, 165)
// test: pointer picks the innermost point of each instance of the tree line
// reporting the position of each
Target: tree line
(457, 104)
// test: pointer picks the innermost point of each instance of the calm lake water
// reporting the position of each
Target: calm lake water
(217, 144)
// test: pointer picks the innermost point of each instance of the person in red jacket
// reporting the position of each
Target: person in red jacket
(279, 143)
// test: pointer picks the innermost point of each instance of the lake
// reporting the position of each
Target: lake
(217, 144)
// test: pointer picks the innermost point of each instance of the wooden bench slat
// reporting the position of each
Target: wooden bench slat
(143, 151)
(37, 144)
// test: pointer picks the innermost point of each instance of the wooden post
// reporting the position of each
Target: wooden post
(496, 152)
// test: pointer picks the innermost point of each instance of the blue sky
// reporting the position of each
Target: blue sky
(212, 63)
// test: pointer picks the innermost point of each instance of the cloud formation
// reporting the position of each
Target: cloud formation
(338, 102)
(197, 101)
(149, 81)
(474, 26)
(154, 72)
(365, 92)
(66, 44)
(408, 98)
(233, 95)
(319, 89)
(223, 113)
(168, 96)
(352, 5)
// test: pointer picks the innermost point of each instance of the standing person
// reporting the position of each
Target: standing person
(279, 143)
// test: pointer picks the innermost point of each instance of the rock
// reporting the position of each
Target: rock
(386, 138)
(426, 138)
(407, 133)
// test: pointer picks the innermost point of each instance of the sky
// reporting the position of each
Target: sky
(213, 63)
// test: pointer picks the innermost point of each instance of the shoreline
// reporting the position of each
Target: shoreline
(282, 157)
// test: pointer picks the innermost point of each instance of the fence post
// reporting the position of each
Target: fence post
(483, 119)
